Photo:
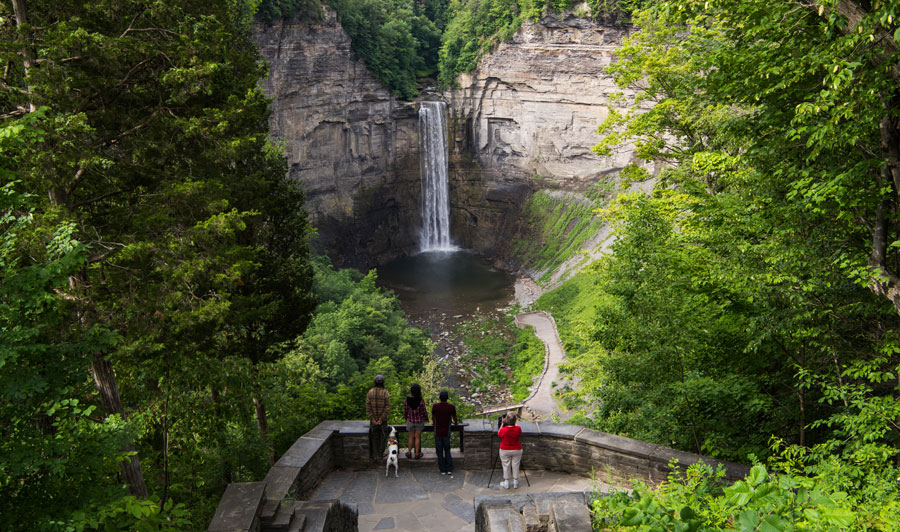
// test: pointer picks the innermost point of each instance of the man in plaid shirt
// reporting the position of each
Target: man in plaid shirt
(378, 404)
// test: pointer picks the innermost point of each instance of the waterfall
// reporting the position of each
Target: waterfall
(435, 234)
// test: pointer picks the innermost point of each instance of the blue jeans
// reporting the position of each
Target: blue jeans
(442, 446)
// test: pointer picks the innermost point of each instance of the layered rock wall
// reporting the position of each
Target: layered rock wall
(526, 119)
(352, 145)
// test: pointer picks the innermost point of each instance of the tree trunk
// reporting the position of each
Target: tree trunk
(263, 425)
(105, 379)
(28, 50)
(884, 282)
(897, 422)
(690, 407)
(802, 397)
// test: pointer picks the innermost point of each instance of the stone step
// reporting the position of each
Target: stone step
(298, 523)
(282, 518)
(314, 514)
(324, 516)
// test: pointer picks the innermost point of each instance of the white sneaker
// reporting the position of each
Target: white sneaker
(504, 485)
(515, 484)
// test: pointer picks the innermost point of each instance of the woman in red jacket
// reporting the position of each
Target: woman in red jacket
(510, 450)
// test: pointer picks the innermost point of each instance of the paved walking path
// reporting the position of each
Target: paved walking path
(423, 499)
(541, 401)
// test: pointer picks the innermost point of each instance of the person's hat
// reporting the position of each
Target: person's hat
(379, 379)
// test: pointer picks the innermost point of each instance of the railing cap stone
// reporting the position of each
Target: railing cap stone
(560, 430)
(238, 508)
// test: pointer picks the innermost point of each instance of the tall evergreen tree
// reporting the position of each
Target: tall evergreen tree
(154, 150)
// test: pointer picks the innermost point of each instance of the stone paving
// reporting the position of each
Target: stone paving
(422, 499)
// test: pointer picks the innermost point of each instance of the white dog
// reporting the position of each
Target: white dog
(393, 453)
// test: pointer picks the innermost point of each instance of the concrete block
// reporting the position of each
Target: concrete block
(318, 434)
(566, 516)
(279, 481)
(282, 517)
(332, 425)
(239, 508)
(301, 452)
(298, 523)
(542, 501)
(532, 520)
(504, 519)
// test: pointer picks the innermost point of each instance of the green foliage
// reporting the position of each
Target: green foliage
(526, 358)
(49, 440)
(502, 354)
(561, 224)
(271, 10)
(735, 277)
(487, 340)
(355, 324)
(695, 499)
(397, 39)
(476, 26)
(485, 336)
(191, 245)
(749, 295)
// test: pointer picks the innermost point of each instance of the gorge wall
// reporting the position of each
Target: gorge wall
(352, 145)
(524, 120)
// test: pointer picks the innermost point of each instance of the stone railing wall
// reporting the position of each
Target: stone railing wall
(581, 451)
(572, 449)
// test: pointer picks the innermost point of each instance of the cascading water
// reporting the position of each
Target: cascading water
(435, 234)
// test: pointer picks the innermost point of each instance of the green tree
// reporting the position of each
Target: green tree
(154, 149)
(396, 39)
(782, 199)
(356, 324)
(50, 439)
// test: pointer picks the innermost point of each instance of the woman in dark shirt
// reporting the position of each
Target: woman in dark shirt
(416, 416)
(510, 450)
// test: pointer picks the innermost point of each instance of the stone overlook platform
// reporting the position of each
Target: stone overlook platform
(326, 483)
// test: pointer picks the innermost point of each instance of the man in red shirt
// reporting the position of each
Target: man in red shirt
(441, 414)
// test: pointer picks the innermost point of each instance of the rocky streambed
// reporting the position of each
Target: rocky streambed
(459, 295)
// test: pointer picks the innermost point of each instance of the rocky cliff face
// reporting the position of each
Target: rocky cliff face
(527, 119)
(524, 120)
(353, 146)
